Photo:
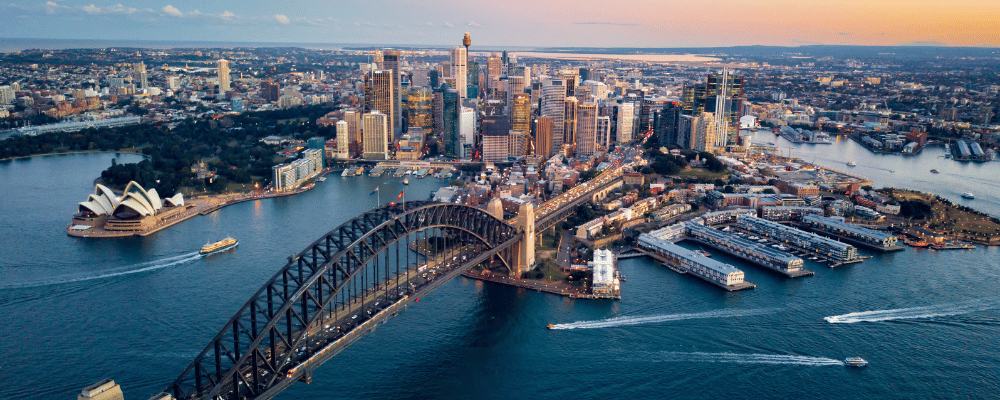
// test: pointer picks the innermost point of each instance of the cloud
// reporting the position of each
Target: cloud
(843, 33)
(226, 15)
(449, 24)
(91, 9)
(282, 19)
(52, 8)
(604, 23)
(120, 9)
(171, 11)
(475, 24)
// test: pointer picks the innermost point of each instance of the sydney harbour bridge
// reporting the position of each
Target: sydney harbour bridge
(356, 277)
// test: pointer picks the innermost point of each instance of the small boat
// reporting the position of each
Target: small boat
(968, 195)
(550, 326)
(222, 245)
(852, 163)
(321, 179)
(920, 244)
(406, 181)
(934, 171)
(856, 362)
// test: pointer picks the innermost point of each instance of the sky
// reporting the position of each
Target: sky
(543, 23)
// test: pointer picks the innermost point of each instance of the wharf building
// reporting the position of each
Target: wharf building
(288, 176)
(832, 249)
(748, 250)
(860, 235)
(605, 284)
(788, 214)
(703, 267)
(106, 389)
(723, 217)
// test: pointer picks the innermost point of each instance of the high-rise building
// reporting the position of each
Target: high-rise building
(459, 71)
(569, 123)
(496, 138)
(173, 83)
(494, 70)
(586, 129)
(106, 389)
(603, 132)
(343, 140)
(222, 68)
(419, 106)
(703, 132)
(626, 116)
(514, 85)
(686, 131)
(236, 104)
(140, 69)
(379, 94)
(7, 94)
(520, 113)
(390, 61)
(544, 133)
(354, 136)
(647, 107)
(376, 135)
(572, 79)
(554, 105)
(721, 95)
(467, 132)
(270, 90)
(518, 142)
(450, 108)
(667, 129)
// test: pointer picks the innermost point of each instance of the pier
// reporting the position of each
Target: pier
(684, 261)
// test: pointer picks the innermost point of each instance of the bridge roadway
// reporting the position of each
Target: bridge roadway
(362, 315)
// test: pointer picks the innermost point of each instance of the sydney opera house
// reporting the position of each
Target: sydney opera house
(136, 210)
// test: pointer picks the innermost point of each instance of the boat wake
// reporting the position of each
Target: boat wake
(132, 269)
(940, 310)
(735, 358)
(628, 321)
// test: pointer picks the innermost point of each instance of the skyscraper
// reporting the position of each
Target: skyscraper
(450, 108)
(467, 132)
(140, 69)
(669, 118)
(390, 61)
(343, 141)
(520, 113)
(722, 95)
(376, 134)
(626, 115)
(419, 102)
(586, 131)
(704, 132)
(494, 70)
(354, 137)
(554, 105)
(544, 127)
(379, 94)
(222, 67)
(569, 122)
(603, 132)
(459, 71)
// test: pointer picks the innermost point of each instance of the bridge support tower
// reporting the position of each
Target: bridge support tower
(526, 251)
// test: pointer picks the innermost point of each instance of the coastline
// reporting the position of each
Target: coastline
(74, 152)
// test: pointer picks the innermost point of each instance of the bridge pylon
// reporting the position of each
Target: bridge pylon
(526, 251)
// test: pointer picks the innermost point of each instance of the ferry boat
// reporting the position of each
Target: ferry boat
(852, 163)
(222, 245)
(856, 362)
(934, 171)
(968, 195)
(406, 181)
(918, 244)
(550, 326)
(321, 179)
(399, 173)
(347, 172)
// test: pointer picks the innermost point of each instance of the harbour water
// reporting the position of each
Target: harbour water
(139, 309)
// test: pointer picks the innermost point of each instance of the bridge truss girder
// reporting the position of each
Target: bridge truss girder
(253, 351)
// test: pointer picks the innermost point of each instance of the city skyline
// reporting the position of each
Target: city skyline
(585, 23)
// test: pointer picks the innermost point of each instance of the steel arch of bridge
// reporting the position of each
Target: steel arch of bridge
(278, 317)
